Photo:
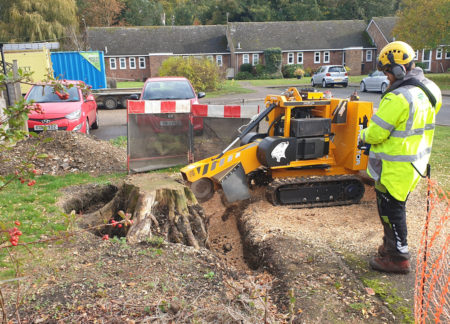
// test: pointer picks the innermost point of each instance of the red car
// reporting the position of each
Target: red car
(170, 89)
(71, 110)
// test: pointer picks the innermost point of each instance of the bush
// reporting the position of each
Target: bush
(203, 74)
(244, 76)
(289, 70)
(260, 70)
(421, 65)
(246, 67)
(309, 71)
(273, 59)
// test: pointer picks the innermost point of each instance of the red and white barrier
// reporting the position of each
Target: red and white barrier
(198, 110)
(224, 111)
(158, 107)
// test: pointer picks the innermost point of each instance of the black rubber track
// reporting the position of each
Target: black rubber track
(344, 189)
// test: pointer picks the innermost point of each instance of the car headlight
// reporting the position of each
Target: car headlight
(74, 114)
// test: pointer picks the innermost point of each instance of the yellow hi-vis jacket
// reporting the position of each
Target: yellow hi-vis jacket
(401, 133)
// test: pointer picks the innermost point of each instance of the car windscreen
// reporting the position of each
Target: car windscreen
(168, 90)
(336, 69)
(47, 93)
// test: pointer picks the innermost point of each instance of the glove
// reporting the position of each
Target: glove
(364, 147)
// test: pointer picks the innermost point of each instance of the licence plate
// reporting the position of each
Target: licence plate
(338, 80)
(170, 123)
(47, 127)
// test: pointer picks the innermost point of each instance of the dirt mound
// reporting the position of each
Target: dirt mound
(66, 152)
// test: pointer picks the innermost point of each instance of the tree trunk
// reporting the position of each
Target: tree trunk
(159, 207)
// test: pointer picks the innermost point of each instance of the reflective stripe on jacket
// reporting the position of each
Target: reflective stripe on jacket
(401, 133)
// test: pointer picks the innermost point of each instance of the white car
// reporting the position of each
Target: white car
(376, 81)
(329, 75)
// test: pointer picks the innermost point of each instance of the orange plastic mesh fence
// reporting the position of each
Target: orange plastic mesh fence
(432, 298)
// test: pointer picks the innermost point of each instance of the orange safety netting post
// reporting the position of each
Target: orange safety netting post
(432, 298)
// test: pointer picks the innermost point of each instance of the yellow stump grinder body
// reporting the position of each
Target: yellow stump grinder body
(309, 155)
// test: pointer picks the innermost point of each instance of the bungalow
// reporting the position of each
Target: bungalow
(136, 53)
(380, 31)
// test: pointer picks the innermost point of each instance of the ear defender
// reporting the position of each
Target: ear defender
(397, 70)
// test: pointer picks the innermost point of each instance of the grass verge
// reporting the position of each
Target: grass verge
(440, 164)
(36, 209)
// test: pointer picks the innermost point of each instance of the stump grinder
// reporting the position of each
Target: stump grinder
(308, 157)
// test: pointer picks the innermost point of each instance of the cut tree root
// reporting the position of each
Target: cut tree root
(169, 210)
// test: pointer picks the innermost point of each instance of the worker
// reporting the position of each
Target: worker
(400, 135)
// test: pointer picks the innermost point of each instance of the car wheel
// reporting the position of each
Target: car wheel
(110, 103)
(87, 127)
(345, 85)
(312, 83)
(324, 83)
(362, 87)
(383, 88)
(96, 123)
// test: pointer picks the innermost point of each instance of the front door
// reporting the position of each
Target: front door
(426, 59)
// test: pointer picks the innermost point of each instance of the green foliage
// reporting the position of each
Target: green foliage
(246, 67)
(421, 65)
(120, 141)
(260, 69)
(273, 59)
(423, 24)
(289, 70)
(142, 12)
(35, 20)
(244, 76)
(203, 74)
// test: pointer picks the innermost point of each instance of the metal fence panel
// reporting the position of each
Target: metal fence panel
(158, 136)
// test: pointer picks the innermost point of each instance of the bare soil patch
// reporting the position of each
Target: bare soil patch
(264, 263)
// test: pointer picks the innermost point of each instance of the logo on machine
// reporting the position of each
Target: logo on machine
(279, 151)
(362, 125)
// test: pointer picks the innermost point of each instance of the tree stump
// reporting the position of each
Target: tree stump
(159, 206)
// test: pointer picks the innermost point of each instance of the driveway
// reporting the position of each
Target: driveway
(113, 123)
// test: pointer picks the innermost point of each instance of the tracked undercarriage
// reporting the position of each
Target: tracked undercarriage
(304, 192)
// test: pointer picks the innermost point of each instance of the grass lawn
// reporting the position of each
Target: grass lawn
(439, 161)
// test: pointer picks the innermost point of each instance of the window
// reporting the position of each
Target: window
(210, 58)
(290, 58)
(316, 57)
(132, 62)
(142, 62)
(300, 58)
(326, 57)
(122, 63)
(439, 54)
(112, 63)
(447, 54)
(369, 56)
(245, 59)
(219, 60)
(416, 55)
(255, 59)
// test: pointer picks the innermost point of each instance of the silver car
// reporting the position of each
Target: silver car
(329, 75)
(376, 81)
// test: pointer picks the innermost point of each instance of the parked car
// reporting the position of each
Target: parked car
(170, 89)
(71, 110)
(330, 75)
(376, 81)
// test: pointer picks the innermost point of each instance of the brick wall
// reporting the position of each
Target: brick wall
(353, 61)
(377, 36)
(137, 73)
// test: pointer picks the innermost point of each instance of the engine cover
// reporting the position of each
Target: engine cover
(310, 127)
(278, 151)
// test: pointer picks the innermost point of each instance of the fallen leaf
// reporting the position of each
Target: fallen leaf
(369, 291)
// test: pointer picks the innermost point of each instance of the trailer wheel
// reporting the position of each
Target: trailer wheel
(124, 102)
(110, 103)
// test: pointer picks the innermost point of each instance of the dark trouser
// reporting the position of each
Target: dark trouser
(392, 213)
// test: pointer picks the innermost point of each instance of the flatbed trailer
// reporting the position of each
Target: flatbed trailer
(113, 98)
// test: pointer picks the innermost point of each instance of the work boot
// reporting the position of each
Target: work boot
(382, 252)
(389, 264)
